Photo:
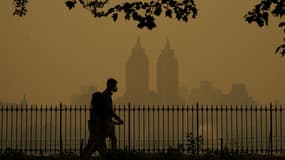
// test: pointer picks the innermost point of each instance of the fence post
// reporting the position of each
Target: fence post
(271, 149)
(222, 149)
(81, 147)
(198, 147)
(129, 125)
(60, 128)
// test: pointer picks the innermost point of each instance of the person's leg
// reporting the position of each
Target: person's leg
(113, 137)
(102, 147)
(87, 150)
(91, 144)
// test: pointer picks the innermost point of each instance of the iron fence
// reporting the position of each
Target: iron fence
(193, 128)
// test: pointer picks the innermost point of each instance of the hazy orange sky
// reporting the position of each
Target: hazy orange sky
(51, 52)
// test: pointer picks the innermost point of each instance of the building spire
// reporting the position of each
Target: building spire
(167, 45)
(138, 44)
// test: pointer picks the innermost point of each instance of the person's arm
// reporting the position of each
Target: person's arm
(117, 117)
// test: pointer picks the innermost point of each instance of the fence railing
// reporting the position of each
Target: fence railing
(193, 128)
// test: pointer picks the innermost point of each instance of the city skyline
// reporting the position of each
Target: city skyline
(138, 85)
(167, 89)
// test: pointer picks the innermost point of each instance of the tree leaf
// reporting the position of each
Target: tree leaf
(157, 11)
(277, 49)
(282, 24)
(265, 17)
(70, 4)
(115, 17)
(168, 13)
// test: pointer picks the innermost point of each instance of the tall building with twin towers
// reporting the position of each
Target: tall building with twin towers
(137, 77)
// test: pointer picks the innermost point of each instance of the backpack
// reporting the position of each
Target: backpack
(97, 102)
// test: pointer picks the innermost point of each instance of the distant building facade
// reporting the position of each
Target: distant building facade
(137, 75)
(84, 97)
(238, 95)
(167, 76)
(207, 94)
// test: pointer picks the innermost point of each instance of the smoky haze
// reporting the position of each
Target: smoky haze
(52, 52)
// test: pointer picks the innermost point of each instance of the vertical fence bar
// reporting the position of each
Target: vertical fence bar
(41, 128)
(50, 136)
(281, 139)
(70, 130)
(212, 120)
(26, 135)
(256, 133)
(237, 143)
(251, 128)
(85, 124)
(80, 125)
(168, 124)
(158, 129)
(192, 125)
(177, 128)
(75, 128)
(129, 126)
(31, 129)
(143, 122)
(2, 128)
(227, 142)
(7, 126)
(207, 121)
(172, 110)
(134, 128)
(11, 133)
(60, 128)
(271, 149)
(222, 132)
(217, 127)
(261, 125)
(163, 129)
(46, 109)
(148, 124)
(36, 128)
(65, 128)
(246, 130)
(232, 143)
(183, 134)
(241, 128)
(266, 123)
(276, 129)
(16, 127)
(202, 129)
(139, 126)
(124, 132)
(188, 125)
(197, 120)
(55, 128)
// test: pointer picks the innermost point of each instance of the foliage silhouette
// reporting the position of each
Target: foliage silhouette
(194, 144)
(260, 15)
(145, 12)
(142, 12)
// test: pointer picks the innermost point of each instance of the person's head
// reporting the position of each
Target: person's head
(112, 84)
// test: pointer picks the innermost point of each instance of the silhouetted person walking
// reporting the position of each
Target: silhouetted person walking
(100, 124)
(108, 113)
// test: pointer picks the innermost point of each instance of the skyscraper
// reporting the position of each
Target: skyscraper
(167, 75)
(137, 72)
